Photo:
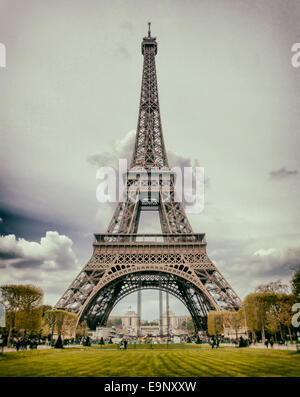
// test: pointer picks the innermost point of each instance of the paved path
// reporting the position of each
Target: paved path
(257, 346)
(13, 349)
(262, 346)
(276, 346)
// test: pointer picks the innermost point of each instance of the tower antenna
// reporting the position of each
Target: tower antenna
(149, 31)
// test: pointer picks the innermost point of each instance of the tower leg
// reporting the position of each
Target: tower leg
(139, 310)
(160, 313)
(168, 317)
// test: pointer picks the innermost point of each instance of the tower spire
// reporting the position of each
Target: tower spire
(149, 148)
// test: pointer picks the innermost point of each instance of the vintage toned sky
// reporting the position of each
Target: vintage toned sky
(229, 99)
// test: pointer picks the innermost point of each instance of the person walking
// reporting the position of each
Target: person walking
(212, 342)
(267, 343)
(1, 343)
(18, 344)
(125, 344)
(271, 342)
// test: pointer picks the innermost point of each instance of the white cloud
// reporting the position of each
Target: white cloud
(275, 261)
(121, 149)
(53, 252)
(246, 270)
(50, 264)
(263, 252)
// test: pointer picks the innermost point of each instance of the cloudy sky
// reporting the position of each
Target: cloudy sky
(230, 102)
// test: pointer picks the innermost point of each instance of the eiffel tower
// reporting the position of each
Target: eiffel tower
(124, 261)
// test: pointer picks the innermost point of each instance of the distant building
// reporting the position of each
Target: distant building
(152, 330)
(130, 323)
(103, 332)
(175, 321)
(114, 319)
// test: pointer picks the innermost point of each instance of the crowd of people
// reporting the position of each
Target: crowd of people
(123, 344)
(269, 342)
(27, 343)
(23, 344)
(239, 342)
(30, 343)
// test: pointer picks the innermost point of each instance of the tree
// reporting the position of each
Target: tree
(236, 320)
(22, 303)
(270, 311)
(190, 325)
(29, 321)
(11, 296)
(279, 314)
(82, 330)
(59, 343)
(68, 323)
(215, 322)
(45, 308)
(258, 307)
(117, 321)
(285, 313)
(50, 321)
(296, 284)
(61, 321)
(275, 286)
(273, 320)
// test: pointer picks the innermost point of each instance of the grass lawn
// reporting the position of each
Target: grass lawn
(159, 361)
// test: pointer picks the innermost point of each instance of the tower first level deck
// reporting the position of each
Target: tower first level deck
(178, 251)
(124, 263)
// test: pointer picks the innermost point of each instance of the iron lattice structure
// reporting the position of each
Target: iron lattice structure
(124, 261)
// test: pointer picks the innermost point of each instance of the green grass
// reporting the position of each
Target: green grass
(189, 361)
(147, 346)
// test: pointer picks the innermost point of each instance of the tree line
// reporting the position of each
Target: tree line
(27, 317)
(265, 313)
